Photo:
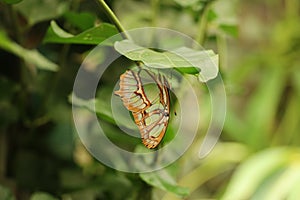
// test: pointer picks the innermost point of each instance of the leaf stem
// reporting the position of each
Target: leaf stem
(114, 19)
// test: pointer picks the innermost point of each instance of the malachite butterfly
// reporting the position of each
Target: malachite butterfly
(146, 95)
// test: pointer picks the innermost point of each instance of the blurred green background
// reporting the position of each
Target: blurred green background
(258, 154)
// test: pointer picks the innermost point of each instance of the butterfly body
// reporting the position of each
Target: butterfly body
(146, 95)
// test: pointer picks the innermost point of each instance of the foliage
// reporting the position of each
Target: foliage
(94, 35)
(42, 45)
(184, 59)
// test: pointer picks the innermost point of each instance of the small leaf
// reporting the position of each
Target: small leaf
(59, 31)
(211, 15)
(30, 56)
(231, 30)
(205, 61)
(163, 180)
(42, 196)
(93, 36)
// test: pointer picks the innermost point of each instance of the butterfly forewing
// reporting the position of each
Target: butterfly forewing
(146, 95)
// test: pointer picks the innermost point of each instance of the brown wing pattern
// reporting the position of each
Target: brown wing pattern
(150, 115)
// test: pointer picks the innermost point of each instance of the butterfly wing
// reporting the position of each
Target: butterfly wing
(146, 95)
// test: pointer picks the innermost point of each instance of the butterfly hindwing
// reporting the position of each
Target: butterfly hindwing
(146, 95)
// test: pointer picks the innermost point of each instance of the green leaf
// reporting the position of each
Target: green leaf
(215, 164)
(211, 15)
(289, 123)
(92, 36)
(266, 98)
(295, 192)
(283, 186)
(5, 193)
(205, 61)
(82, 20)
(11, 1)
(93, 105)
(186, 3)
(250, 175)
(42, 196)
(29, 56)
(231, 30)
(38, 10)
(103, 110)
(188, 70)
(59, 31)
(163, 180)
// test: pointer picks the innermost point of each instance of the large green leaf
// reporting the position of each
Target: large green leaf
(205, 62)
(283, 186)
(295, 192)
(103, 110)
(92, 36)
(30, 56)
(250, 176)
(93, 105)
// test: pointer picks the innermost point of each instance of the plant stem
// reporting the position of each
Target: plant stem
(114, 19)
(201, 30)
(117, 23)
(222, 47)
(202, 24)
(155, 11)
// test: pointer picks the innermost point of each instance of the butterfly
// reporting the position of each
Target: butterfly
(146, 95)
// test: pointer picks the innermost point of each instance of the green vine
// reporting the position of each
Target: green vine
(114, 19)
